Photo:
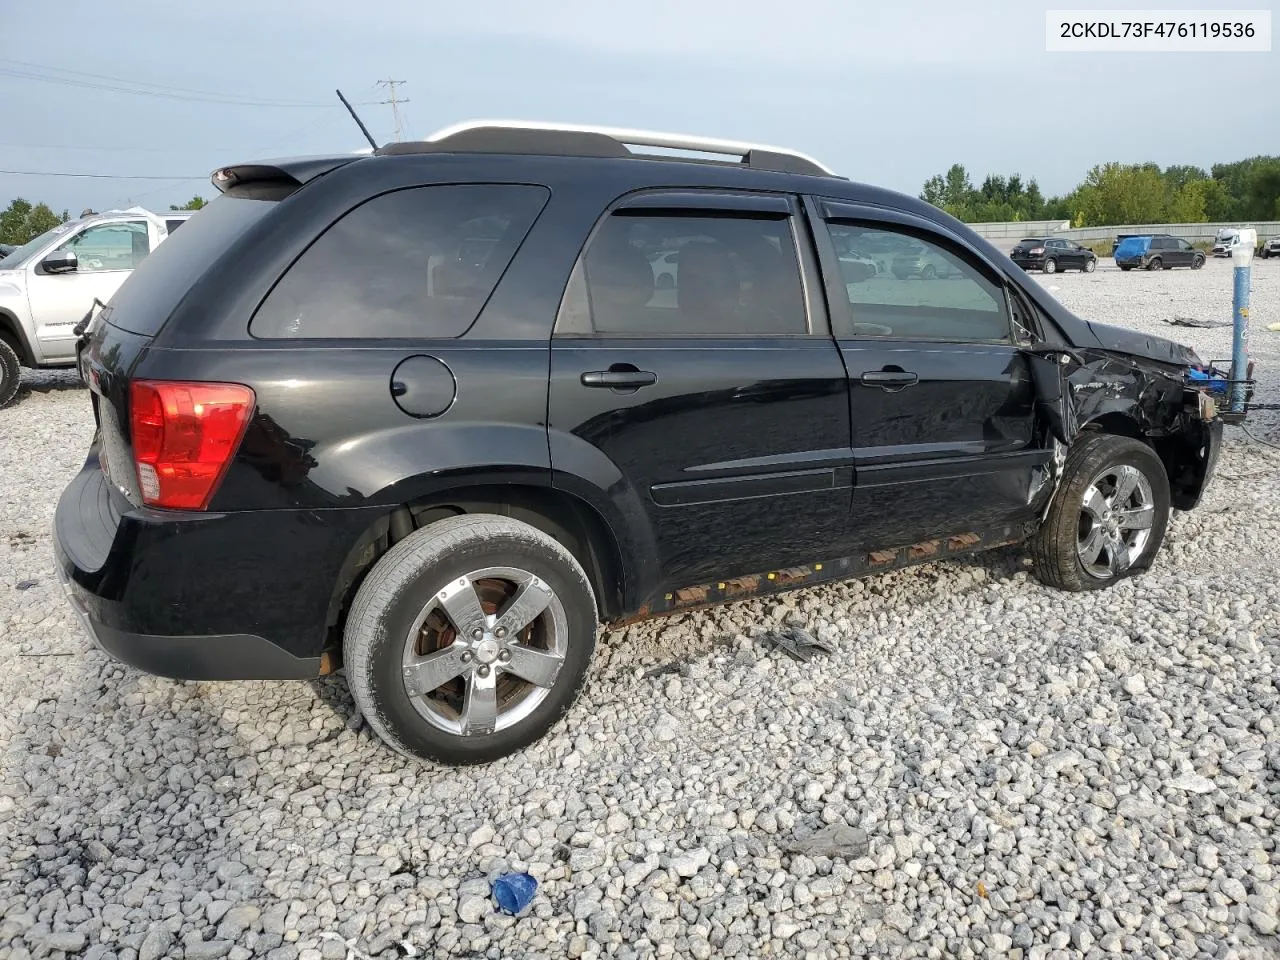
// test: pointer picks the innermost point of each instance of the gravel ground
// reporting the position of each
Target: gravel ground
(1018, 772)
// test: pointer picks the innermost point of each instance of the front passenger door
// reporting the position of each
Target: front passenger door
(942, 400)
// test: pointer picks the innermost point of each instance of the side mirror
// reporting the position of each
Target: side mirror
(60, 261)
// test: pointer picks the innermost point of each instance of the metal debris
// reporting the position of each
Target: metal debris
(26, 584)
(1192, 322)
(796, 642)
(834, 840)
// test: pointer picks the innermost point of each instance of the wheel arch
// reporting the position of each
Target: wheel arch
(12, 333)
(572, 522)
(1187, 454)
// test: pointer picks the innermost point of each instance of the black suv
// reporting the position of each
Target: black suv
(1051, 255)
(427, 415)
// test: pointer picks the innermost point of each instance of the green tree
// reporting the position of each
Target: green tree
(195, 203)
(1262, 190)
(21, 221)
(1187, 204)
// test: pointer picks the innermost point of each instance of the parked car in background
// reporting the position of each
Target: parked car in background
(305, 462)
(1158, 253)
(1224, 242)
(1270, 249)
(47, 286)
(6, 249)
(1052, 254)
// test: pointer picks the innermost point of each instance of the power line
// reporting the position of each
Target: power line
(137, 88)
(395, 103)
(89, 176)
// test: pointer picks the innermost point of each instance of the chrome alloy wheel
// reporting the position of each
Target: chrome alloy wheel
(1115, 521)
(485, 652)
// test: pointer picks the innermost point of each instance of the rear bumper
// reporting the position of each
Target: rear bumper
(235, 596)
(1029, 263)
(1131, 261)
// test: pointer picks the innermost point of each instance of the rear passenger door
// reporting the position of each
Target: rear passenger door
(1184, 252)
(942, 400)
(693, 363)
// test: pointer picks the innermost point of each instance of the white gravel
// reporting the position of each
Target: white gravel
(1019, 772)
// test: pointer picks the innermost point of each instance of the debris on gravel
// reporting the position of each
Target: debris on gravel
(982, 766)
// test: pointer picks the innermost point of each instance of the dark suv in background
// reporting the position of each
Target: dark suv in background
(1157, 252)
(428, 415)
(1051, 254)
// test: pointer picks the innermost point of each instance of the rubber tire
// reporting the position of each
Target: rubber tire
(1090, 265)
(10, 373)
(1051, 265)
(930, 272)
(1053, 547)
(1197, 261)
(402, 583)
(1126, 269)
(1155, 264)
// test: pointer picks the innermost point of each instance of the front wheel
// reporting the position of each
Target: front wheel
(10, 373)
(1051, 266)
(469, 639)
(1108, 517)
(1197, 261)
(1090, 265)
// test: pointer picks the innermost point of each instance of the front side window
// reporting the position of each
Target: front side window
(924, 291)
(109, 246)
(696, 275)
(413, 263)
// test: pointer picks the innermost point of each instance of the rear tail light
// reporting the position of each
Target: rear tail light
(184, 438)
(1034, 250)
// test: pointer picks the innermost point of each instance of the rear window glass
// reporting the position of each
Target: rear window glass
(414, 263)
(147, 298)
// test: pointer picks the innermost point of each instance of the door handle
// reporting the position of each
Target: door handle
(889, 379)
(619, 379)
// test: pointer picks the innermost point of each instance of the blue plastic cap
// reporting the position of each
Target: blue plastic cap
(514, 892)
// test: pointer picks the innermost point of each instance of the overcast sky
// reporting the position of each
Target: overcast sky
(886, 92)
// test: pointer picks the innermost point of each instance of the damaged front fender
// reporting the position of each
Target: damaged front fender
(1151, 398)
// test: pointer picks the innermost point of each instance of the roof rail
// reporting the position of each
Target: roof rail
(569, 139)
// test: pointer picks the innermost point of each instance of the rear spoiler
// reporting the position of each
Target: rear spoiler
(274, 179)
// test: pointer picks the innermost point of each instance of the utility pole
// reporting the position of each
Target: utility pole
(395, 102)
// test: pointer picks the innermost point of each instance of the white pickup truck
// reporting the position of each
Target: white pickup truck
(50, 284)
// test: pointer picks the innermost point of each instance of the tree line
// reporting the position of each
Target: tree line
(1119, 193)
(22, 221)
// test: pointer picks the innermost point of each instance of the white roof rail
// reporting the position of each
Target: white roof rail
(624, 135)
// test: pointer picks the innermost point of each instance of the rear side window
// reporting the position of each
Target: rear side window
(697, 275)
(920, 290)
(158, 285)
(414, 263)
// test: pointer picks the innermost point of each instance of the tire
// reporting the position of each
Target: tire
(1057, 546)
(1197, 261)
(1155, 264)
(1051, 266)
(10, 373)
(401, 597)
(665, 282)
(930, 272)
(1090, 265)
(1126, 269)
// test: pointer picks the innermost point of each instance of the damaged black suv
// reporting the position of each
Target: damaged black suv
(434, 414)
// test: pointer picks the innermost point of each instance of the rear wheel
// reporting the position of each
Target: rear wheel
(1051, 266)
(1108, 517)
(10, 373)
(1126, 269)
(1155, 264)
(930, 272)
(469, 639)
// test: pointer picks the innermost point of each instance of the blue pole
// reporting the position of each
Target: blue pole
(1240, 329)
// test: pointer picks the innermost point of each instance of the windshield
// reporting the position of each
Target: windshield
(32, 247)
